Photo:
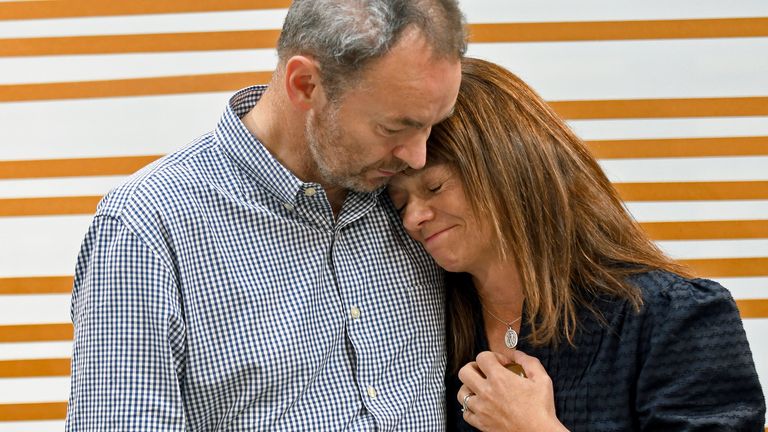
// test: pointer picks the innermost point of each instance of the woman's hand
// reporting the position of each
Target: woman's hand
(504, 401)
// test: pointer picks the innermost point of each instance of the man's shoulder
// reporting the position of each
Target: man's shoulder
(162, 183)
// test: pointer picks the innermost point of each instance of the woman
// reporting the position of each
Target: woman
(613, 335)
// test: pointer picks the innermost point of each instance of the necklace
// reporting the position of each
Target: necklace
(510, 337)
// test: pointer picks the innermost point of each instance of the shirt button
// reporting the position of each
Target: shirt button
(288, 206)
(355, 312)
(310, 191)
(371, 392)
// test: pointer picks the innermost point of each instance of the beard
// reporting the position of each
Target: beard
(336, 162)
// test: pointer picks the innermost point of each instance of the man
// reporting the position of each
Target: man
(258, 279)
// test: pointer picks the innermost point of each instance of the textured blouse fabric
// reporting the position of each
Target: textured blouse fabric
(682, 364)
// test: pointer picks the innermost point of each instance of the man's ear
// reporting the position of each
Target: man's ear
(302, 83)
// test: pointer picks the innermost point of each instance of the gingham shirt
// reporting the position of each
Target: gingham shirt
(216, 291)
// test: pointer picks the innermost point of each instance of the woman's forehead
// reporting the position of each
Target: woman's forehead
(413, 177)
(430, 167)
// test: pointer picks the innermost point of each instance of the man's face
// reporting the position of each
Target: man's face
(380, 126)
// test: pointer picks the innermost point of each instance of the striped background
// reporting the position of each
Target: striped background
(672, 97)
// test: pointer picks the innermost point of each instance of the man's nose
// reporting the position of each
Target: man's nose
(413, 149)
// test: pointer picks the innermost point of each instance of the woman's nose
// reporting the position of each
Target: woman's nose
(416, 214)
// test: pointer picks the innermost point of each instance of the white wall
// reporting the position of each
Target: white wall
(655, 68)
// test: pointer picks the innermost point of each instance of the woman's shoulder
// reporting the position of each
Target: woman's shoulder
(667, 299)
(661, 289)
(696, 360)
(685, 309)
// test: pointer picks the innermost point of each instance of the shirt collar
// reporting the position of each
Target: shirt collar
(250, 154)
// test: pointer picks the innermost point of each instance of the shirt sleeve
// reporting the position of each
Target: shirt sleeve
(128, 355)
(697, 371)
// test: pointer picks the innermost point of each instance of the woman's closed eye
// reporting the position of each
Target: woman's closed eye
(402, 204)
(399, 202)
(435, 188)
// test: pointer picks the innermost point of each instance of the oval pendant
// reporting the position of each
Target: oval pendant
(510, 338)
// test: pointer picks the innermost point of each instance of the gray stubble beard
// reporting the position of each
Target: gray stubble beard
(322, 130)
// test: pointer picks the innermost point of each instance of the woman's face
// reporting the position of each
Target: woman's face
(435, 211)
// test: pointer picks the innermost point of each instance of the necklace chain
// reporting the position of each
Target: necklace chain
(508, 324)
(510, 337)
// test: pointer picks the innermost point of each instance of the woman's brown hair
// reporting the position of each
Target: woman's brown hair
(551, 207)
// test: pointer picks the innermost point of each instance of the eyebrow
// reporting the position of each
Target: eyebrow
(409, 122)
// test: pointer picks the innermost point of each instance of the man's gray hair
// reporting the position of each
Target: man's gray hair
(343, 36)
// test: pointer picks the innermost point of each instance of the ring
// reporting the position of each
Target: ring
(464, 407)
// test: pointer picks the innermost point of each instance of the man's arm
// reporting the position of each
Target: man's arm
(128, 357)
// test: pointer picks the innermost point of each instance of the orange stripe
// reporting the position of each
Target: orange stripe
(713, 268)
(728, 267)
(619, 30)
(34, 368)
(49, 206)
(103, 166)
(687, 191)
(480, 33)
(753, 308)
(132, 87)
(607, 149)
(36, 333)
(682, 191)
(36, 285)
(88, 8)
(662, 108)
(33, 411)
(680, 147)
(139, 43)
(707, 230)
(594, 109)
(45, 411)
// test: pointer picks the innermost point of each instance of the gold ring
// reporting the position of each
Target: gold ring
(464, 407)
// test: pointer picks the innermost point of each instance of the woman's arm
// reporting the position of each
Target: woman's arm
(697, 371)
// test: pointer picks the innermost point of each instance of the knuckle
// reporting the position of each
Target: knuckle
(463, 373)
(467, 368)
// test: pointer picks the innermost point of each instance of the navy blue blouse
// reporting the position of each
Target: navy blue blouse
(682, 364)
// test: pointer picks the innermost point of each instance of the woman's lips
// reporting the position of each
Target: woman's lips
(435, 235)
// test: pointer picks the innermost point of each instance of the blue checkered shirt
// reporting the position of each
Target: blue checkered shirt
(216, 291)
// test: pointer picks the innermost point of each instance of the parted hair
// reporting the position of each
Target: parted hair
(550, 206)
(343, 36)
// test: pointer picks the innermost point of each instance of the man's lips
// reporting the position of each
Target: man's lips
(387, 173)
